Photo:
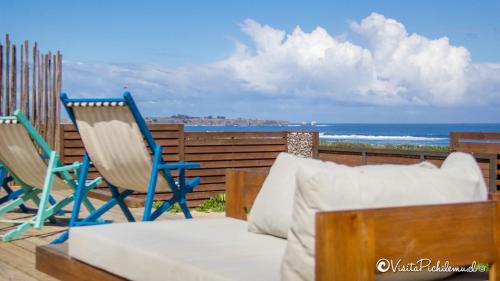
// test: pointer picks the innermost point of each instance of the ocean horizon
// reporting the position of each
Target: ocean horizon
(371, 133)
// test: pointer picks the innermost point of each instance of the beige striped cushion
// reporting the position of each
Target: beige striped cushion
(116, 146)
(19, 154)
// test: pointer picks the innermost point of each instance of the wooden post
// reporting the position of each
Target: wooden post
(53, 102)
(49, 99)
(39, 116)
(7, 75)
(13, 86)
(1, 80)
(45, 96)
(315, 145)
(21, 79)
(33, 88)
(58, 101)
(25, 94)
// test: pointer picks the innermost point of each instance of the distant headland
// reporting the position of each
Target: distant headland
(213, 120)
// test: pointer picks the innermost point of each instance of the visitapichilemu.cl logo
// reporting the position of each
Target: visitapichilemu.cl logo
(386, 265)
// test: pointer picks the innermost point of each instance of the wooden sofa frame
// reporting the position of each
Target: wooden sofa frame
(349, 243)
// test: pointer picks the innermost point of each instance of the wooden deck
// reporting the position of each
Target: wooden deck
(17, 258)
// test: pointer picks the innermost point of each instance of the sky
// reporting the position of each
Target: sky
(329, 61)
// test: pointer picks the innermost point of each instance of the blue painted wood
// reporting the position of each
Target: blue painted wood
(92, 218)
(121, 202)
(80, 189)
(152, 184)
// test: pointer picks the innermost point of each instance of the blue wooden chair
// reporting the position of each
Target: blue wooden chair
(118, 141)
(20, 144)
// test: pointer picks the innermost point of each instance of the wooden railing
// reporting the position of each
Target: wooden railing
(476, 142)
(362, 156)
(218, 151)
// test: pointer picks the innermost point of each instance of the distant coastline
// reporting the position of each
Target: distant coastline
(215, 121)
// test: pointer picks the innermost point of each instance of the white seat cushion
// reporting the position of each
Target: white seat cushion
(338, 187)
(271, 212)
(208, 249)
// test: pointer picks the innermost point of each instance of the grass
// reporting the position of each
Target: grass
(174, 209)
(214, 204)
(405, 147)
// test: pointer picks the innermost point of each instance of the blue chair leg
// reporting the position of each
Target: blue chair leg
(148, 206)
(92, 218)
(13, 195)
(120, 201)
(80, 190)
(182, 193)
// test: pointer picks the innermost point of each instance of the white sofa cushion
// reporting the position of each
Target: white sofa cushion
(208, 249)
(338, 187)
(271, 212)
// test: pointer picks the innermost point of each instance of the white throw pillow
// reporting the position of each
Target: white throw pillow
(271, 212)
(338, 187)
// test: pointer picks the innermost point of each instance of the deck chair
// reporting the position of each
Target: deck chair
(117, 140)
(20, 158)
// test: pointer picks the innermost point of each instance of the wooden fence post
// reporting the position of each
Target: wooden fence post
(7, 75)
(1, 79)
(13, 86)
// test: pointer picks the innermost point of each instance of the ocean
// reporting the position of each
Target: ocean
(415, 134)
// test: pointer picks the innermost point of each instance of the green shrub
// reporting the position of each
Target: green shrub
(214, 204)
(173, 209)
(387, 146)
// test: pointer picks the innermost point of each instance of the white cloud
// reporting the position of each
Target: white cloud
(392, 67)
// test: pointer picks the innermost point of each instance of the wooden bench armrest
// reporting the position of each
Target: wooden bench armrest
(242, 187)
(349, 243)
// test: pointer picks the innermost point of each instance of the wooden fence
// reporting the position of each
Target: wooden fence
(214, 151)
(218, 151)
(475, 142)
(31, 84)
(357, 156)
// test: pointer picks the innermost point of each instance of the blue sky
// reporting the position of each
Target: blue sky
(362, 61)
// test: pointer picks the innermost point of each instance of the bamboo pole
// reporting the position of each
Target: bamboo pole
(33, 87)
(21, 78)
(58, 101)
(7, 75)
(26, 87)
(53, 101)
(13, 82)
(41, 104)
(46, 97)
(39, 116)
(1, 80)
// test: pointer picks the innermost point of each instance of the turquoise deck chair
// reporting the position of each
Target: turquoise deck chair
(35, 173)
(118, 141)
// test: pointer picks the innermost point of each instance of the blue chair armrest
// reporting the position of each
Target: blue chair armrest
(179, 165)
